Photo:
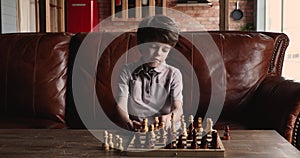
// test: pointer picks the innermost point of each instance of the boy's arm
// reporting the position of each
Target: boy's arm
(122, 118)
(176, 94)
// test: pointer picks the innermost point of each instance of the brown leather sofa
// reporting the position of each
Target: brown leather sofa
(48, 80)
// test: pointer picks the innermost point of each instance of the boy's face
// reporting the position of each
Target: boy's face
(154, 53)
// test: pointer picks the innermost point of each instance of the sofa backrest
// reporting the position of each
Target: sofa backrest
(217, 63)
(33, 75)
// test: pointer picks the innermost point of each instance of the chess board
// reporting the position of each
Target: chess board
(159, 150)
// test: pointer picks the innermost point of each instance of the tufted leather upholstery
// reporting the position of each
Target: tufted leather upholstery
(37, 77)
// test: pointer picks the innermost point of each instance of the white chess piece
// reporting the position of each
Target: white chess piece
(173, 123)
(200, 128)
(110, 141)
(120, 142)
(184, 132)
(106, 145)
(117, 137)
(182, 121)
(191, 119)
(144, 2)
(209, 125)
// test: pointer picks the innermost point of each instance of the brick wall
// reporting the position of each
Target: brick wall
(207, 16)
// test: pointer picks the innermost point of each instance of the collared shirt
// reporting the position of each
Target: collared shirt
(150, 91)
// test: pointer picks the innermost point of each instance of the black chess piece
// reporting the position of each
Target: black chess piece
(194, 144)
(190, 132)
(204, 143)
(180, 144)
(226, 133)
(214, 141)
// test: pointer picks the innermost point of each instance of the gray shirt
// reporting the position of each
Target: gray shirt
(150, 92)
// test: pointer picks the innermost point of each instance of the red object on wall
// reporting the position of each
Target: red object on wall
(82, 15)
(118, 2)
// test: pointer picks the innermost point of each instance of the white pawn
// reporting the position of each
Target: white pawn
(110, 141)
(105, 145)
(173, 124)
(209, 125)
(200, 128)
(120, 148)
(182, 121)
(191, 119)
(184, 132)
(117, 137)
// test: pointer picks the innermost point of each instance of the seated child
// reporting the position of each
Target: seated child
(151, 88)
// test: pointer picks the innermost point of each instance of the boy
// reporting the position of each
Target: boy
(151, 88)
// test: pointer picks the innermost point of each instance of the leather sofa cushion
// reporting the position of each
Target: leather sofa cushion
(33, 75)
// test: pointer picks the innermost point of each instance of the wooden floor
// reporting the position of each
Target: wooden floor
(40, 143)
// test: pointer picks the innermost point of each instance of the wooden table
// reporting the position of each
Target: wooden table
(61, 143)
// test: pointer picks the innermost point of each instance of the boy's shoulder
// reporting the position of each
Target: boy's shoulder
(133, 66)
(170, 68)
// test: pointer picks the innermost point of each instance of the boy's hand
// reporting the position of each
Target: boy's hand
(136, 125)
(133, 124)
(166, 119)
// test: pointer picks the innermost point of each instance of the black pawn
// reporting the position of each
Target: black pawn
(194, 144)
(190, 134)
(204, 143)
(226, 133)
(180, 144)
(214, 141)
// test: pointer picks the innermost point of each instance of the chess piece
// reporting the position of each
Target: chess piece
(226, 133)
(184, 132)
(199, 124)
(152, 137)
(147, 140)
(214, 142)
(183, 127)
(145, 125)
(156, 123)
(194, 144)
(110, 141)
(105, 144)
(204, 143)
(137, 140)
(180, 144)
(117, 137)
(149, 144)
(191, 127)
(163, 125)
(162, 133)
(209, 125)
(171, 140)
(182, 121)
(191, 121)
(120, 142)
(173, 123)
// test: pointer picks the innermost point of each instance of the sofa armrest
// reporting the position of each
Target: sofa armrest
(276, 103)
